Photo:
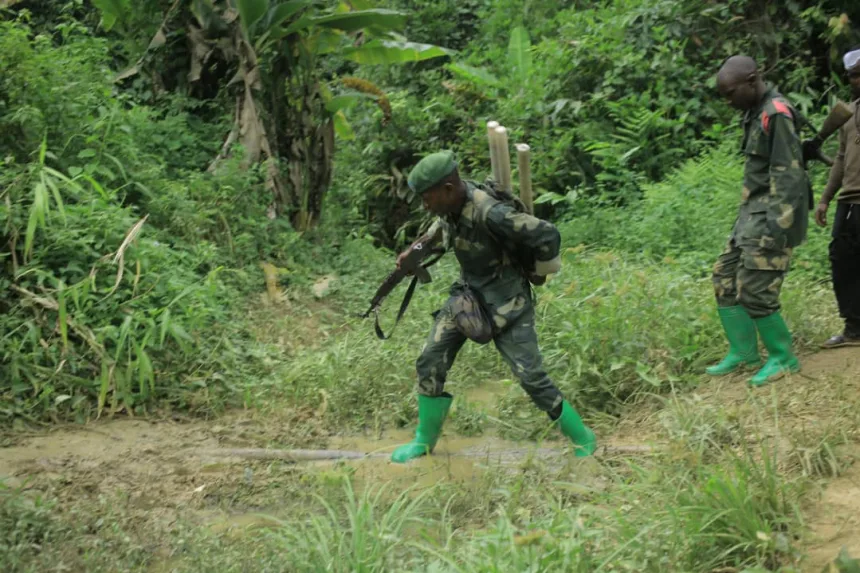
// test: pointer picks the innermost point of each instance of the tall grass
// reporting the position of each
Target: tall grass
(369, 532)
(658, 515)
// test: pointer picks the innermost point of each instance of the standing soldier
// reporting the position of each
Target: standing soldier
(771, 222)
(493, 290)
(845, 246)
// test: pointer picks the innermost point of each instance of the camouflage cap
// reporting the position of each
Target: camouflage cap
(431, 170)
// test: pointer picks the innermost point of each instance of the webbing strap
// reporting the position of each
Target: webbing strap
(403, 305)
(407, 298)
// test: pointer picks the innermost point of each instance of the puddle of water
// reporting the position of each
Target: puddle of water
(423, 472)
(455, 459)
(487, 394)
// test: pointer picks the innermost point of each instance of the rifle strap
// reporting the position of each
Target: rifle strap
(407, 298)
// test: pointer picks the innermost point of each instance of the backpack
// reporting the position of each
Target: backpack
(522, 256)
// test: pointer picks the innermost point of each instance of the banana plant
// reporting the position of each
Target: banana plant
(287, 115)
(509, 81)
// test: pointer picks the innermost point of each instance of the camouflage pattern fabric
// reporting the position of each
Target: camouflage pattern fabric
(751, 277)
(774, 211)
(773, 215)
(480, 238)
(470, 318)
(518, 345)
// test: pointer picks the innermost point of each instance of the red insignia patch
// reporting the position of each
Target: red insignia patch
(782, 108)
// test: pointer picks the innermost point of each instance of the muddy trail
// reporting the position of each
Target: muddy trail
(166, 472)
(167, 467)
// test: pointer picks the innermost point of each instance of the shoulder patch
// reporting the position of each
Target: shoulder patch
(765, 121)
(780, 107)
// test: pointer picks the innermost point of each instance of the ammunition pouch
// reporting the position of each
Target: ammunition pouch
(471, 317)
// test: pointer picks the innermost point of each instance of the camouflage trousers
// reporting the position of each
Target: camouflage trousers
(751, 277)
(517, 344)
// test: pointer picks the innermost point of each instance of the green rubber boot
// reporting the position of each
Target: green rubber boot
(577, 432)
(431, 415)
(743, 343)
(780, 360)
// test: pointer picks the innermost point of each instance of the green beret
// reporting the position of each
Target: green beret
(431, 170)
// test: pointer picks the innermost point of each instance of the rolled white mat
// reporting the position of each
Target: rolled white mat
(504, 158)
(491, 140)
(525, 171)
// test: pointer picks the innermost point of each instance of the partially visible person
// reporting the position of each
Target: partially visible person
(844, 184)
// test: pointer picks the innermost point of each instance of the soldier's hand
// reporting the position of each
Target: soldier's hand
(810, 149)
(821, 214)
(401, 257)
(537, 280)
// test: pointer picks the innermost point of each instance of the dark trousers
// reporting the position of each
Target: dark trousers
(518, 345)
(845, 265)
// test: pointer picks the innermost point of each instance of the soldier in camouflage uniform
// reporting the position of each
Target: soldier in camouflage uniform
(481, 231)
(771, 222)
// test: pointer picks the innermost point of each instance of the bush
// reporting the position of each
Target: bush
(117, 274)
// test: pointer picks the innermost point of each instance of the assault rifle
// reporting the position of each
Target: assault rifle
(413, 264)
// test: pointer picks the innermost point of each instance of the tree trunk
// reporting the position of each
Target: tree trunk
(304, 135)
(281, 121)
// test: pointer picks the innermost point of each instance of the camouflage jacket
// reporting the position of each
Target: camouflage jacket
(774, 208)
(479, 236)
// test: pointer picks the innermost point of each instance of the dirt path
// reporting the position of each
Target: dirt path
(834, 521)
(164, 474)
(176, 464)
(825, 394)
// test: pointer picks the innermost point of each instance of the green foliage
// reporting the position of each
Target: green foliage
(48, 92)
(746, 512)
(128, 265)
(251, 11)
(105, 312)
(686, 218)
(657, 516)
(26, 524)
(393, 52)
(610, 96)
(368, 533)
(113, 11)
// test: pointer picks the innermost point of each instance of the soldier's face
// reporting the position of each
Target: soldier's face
(854, 79)
(739, 92)
(438, 199)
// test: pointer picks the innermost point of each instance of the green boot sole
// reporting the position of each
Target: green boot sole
(588, 445)
(729, 366)
(743, 343)
(773, 371)
(432, 412)
(410, 451)
(777, 339)
(571, 425)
